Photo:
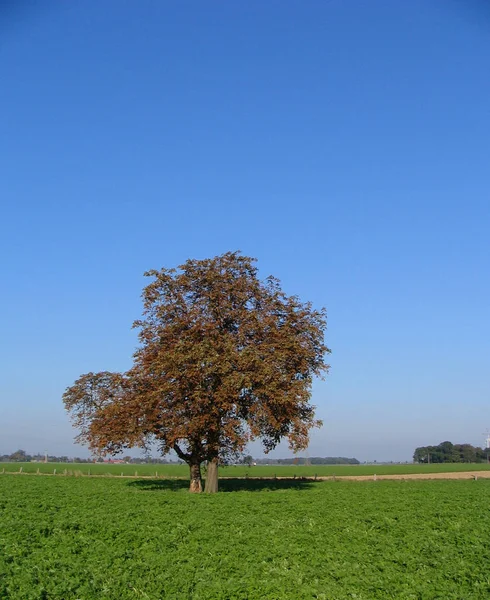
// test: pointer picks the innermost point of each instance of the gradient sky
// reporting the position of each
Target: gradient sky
(346, 145)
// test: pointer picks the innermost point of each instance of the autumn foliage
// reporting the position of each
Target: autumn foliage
(224, 358)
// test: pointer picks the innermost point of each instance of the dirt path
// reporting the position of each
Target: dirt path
(455, 475)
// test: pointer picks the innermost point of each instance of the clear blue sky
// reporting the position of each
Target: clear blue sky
(346, 145)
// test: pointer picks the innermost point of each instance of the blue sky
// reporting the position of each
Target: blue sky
(344, 144)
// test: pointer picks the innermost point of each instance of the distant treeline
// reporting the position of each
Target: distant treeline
(314, 460)
(22, 456)
(447, 452)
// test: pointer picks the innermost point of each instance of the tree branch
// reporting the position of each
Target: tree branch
(182, 455)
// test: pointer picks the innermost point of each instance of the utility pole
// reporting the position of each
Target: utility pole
(487, 444)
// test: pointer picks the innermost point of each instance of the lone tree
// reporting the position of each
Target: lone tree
(224, 358)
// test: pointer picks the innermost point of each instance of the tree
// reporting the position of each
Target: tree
(224, 358)
(20, 456)
(247, 460)
(420, 454)
(467, 453)
(447, 452)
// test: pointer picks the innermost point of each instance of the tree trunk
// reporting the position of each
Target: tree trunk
(196, 481)
(211, 486)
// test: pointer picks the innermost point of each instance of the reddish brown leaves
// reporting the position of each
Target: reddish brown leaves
(224, 358)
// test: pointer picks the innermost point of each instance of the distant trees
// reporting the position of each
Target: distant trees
(447, 452)
(19, 456)
(224, 358)
(314, 460)
(23, 456)
(333, 460)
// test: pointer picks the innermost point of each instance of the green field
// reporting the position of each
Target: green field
(67, 538)
(239, 471)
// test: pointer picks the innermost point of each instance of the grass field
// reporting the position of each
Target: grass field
(240, 471)
(67, 538)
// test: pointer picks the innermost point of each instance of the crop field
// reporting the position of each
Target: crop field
(67, 538)
(240, 470)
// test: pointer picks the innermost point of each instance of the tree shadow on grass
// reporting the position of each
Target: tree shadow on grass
(263, 485)
(225, 485)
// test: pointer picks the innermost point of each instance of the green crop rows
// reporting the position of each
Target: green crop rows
(65, 538)
(238, 471)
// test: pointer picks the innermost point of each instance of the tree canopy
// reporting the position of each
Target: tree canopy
(224, 358)
(447, 452)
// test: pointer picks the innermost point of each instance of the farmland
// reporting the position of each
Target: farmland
(106, 538)
(182, 471)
